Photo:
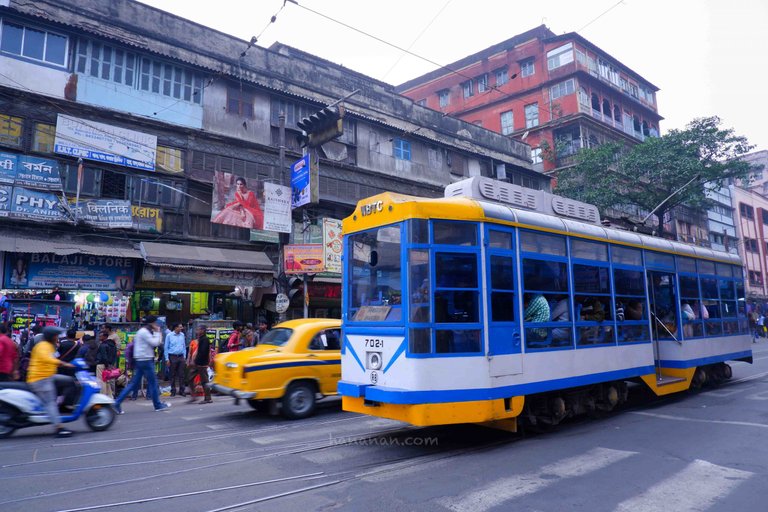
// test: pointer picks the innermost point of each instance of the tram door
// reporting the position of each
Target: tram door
(663, 308)
(502, 310)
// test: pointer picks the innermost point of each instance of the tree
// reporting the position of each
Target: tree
(660, 173)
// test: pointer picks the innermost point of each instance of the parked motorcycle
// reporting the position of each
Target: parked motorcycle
(20, 407)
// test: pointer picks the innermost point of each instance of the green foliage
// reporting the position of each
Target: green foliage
(647, 174)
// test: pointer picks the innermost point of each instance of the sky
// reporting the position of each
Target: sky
(707, 57)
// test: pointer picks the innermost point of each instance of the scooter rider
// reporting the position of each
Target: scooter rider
(40, 376)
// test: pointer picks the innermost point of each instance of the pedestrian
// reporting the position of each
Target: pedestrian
(9, 356)
(68, 349)
(249, 336)
(235, 342)
(145, 342)
(202, 360)
(88, 352)
(129, 369)
(175, 354)
(263, 330)
(40, 377)
(106, 359)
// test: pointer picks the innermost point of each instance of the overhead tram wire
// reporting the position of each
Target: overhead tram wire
(601, 15)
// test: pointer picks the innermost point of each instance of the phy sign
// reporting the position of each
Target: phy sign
(105, 143)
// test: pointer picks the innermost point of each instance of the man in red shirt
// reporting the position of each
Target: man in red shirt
(9, 356)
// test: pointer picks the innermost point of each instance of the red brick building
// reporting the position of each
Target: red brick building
(557, 93)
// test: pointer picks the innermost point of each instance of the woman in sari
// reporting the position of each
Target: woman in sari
(244, 211)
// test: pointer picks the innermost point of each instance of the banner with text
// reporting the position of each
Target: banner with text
(105, 143)
(29, 171)
(73, 272)
(332, 245)
(37, 205)
(147, 219)
(104, 213)
(303, 259)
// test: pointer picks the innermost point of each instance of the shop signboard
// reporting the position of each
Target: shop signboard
(36, 205)
(147, 219)
(8, 163)
(72, 272)
(39, 173)
(250, 204)
(6, 195)
(220, 277)
(303, 259)
(332, 245)
(105, 143)
(300, 182)
(104, 213)
(259, 235)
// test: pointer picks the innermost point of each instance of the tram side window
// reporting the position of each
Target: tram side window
(710, 310)
(418, 285)
(592, 303)
(690, 307)
(502, 289)
(457, 303)
(741, 302)
(455, 233)
(728, 308)
(631, 307)
(547, 315)
(376, 279)
(663, 295)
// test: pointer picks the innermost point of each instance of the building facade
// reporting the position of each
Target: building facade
(178, 110)
(751, 216)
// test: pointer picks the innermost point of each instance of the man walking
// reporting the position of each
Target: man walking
(175, 353)
(201, 359)
(106, 359)
(144, 343)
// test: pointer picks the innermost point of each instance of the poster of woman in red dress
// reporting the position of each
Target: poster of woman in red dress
(236, 205)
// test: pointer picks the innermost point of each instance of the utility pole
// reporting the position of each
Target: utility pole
(282, 287)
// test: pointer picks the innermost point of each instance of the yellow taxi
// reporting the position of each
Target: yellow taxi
(292, 365)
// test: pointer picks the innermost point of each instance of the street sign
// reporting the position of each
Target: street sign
(282, 303)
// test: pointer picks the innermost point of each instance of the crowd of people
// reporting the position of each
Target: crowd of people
(43, 358)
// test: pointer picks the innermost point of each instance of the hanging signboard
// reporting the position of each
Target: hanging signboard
(200, 276)
(252, 205)
(303, 259)
(300, 194)
(73, 272)
(8, 163)
(332, 245)
(104, 213)
(39, 173)
(36, 205)
(105, 143)
(147, 219)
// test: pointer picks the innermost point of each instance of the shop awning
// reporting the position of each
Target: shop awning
(204, 257)
(205, 265)
(10, 243)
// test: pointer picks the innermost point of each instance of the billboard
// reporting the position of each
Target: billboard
(36, 205)
(73, 272)
(300, 182)
(29, 171)
(250, 204)
(332, 245)
(303, 259)
(147, 219)
(105, 143)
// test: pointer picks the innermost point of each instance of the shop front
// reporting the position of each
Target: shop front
(185, 283)
(66, 282)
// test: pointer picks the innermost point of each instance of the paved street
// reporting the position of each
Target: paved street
(697, 452)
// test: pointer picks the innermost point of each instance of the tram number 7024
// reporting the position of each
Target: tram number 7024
(374, 343)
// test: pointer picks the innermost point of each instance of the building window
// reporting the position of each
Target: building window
(445, 97)
(502, 76)
(171, 81)
(239, 103)
(750, 244)
(11, 130)
(422, 102)
(35, 44)
(560, 56)
(482, 83)
(401, 149)
(755, 278)
(532, 115)
(536, 155)
(561, 89)
(170, 159)
(746, 211)
(468, 89)
(43, 138)
(527, 67)
(106, 62)
(507, 122)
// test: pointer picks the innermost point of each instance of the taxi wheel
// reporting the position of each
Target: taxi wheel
(299, 401)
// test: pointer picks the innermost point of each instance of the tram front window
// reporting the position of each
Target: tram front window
(375, 275)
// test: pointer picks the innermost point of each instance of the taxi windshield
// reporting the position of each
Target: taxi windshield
(277, 337)
(375, 275)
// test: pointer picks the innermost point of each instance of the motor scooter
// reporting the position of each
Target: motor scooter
(20, 407)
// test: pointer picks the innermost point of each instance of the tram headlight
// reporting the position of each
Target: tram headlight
(373, 360)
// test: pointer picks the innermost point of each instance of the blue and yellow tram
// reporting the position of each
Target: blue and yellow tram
(498, 302)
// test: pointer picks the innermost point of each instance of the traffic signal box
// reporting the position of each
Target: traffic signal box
(322, 126)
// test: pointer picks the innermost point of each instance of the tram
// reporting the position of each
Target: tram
(498, 303)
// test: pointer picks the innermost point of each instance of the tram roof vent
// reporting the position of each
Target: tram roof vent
(487, 189)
